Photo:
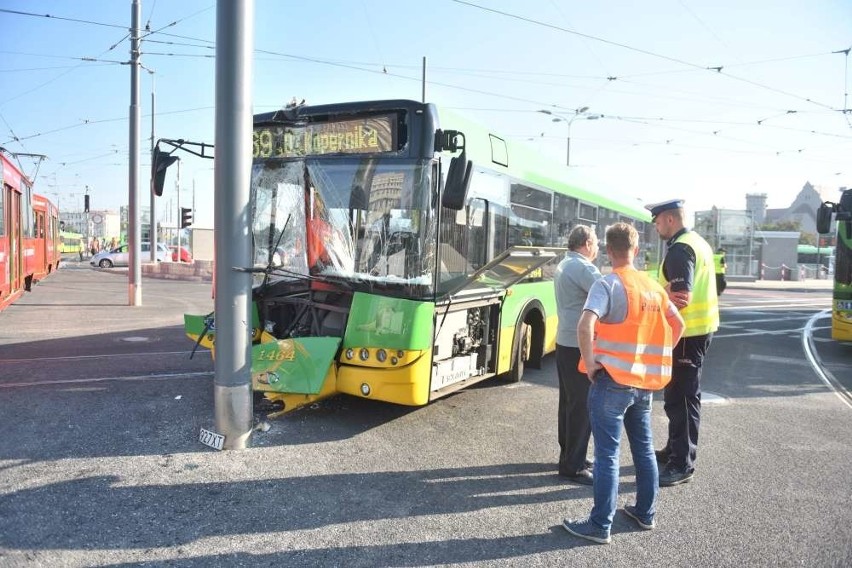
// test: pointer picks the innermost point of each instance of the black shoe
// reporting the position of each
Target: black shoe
(674, 476)
(583, 477)
(590, 465)
(662, 456)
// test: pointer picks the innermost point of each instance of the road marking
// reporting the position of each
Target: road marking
(102, 356)
(759, 332)
(782, 360)
(162, 377)
(824, 374)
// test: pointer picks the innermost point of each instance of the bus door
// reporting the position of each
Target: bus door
(469, 319)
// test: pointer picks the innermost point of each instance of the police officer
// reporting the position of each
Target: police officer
(721, 267)
(688, 275)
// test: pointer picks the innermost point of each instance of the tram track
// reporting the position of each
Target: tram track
(809, 347)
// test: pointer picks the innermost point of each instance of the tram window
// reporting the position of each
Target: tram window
(2, 210)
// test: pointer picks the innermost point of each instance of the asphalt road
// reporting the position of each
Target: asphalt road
(100, 408)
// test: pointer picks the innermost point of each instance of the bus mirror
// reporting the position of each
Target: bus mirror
(160, 162)
(823, 218)
(458, 181)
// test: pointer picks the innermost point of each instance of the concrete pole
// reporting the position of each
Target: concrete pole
(232, 393)
(179, 210)
(424, 81)
(134, 231)
(152, 223)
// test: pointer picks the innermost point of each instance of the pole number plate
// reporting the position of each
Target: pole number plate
(212, 439)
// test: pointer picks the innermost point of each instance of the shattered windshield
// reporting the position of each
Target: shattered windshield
(366, 220)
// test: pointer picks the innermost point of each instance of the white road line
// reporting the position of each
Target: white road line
(162, 377)
(103, 356)
(759, 332)
(824, 374)
(779, 305)
(781, 360)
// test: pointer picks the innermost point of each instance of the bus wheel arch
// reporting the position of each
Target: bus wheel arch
(528, 342)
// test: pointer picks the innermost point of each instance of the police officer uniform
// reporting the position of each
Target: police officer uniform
(687, 266)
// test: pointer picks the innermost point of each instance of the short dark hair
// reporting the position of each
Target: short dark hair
(621, 238)
(579, 235)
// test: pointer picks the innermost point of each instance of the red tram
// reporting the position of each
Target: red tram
(29, 234)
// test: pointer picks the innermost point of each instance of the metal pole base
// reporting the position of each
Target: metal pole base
(234, 418)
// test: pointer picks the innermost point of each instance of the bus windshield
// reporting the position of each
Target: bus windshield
(367, 220)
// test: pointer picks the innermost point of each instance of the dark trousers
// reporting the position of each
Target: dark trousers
(682, 401)
(721, 283)
(574, 427)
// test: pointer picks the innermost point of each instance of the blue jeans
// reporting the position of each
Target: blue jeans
(611, 405)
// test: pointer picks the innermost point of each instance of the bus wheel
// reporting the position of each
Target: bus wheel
(522, 353)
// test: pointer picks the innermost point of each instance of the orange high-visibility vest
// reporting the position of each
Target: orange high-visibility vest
(638, 351)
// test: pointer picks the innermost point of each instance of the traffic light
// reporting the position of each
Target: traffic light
(160, 162)
(185, 217)
(86, 203)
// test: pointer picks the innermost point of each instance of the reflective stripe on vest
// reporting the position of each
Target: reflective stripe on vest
(701, 316)
(638, 351)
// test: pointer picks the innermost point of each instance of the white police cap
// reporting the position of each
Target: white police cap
(657, 208)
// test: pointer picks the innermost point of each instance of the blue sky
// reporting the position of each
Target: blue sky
(668, 124)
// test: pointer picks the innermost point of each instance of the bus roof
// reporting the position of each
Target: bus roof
(526, 164)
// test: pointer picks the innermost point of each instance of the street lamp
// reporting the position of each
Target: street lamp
(582, 111)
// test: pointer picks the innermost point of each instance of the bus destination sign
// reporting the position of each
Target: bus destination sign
(369, 135)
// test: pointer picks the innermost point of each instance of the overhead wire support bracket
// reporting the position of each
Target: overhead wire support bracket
(181, 144)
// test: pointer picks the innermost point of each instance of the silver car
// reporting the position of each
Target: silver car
(120, 256)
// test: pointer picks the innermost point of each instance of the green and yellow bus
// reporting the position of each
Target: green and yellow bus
(71, 242)
(841, 309)
(404, 253)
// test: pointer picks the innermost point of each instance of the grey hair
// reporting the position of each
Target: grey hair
(579, 235)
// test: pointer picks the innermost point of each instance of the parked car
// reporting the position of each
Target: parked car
(120, 256)
(185, 256)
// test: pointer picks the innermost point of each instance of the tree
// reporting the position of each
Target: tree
(781, 226)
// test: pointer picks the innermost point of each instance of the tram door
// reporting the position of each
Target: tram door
(16, 257)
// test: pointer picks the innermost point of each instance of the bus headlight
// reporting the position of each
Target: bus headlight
(381, 355)
(394, 360)
(350, 353)
(364, 354)
(365, 389)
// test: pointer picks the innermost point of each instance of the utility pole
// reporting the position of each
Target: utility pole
(424, 80)
(232, 392)
(134, 232)
(179, 211)
(152, 223)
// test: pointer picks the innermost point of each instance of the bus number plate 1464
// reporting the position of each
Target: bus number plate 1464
(212, 439)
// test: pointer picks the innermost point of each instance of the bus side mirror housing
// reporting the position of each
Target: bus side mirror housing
(458, 182)
(823, 218)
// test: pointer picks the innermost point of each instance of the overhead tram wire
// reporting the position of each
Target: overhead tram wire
(51, 17)
(717, 69)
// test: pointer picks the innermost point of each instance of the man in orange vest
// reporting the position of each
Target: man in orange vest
(626, 334)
